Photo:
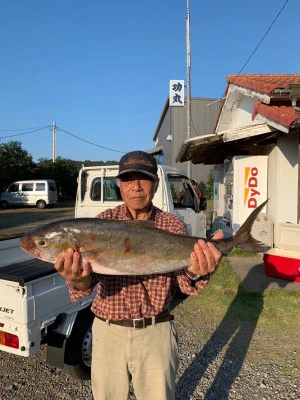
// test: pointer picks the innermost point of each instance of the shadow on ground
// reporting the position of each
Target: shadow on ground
(232, 335)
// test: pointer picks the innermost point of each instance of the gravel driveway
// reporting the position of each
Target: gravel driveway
(212, 369)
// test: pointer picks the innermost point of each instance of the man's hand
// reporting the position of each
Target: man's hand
(205, 257)
(69, 265)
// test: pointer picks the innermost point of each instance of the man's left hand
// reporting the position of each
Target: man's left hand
(205, 257)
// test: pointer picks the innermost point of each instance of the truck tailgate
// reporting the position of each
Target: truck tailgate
(26, 271)
(18, 266)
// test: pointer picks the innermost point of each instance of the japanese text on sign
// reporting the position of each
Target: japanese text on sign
(176, 97)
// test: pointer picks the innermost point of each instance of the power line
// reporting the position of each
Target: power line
(59, 129)
(23, 129)
(262, 39)
(24, 133)
(254, 51)
(86, 141)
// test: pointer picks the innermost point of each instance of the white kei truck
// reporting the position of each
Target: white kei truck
(35, 306)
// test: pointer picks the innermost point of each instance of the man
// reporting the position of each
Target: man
(196, 188)
(134, 337)
(187, 197)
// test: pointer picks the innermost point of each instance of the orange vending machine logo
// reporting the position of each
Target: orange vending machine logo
(251, 187)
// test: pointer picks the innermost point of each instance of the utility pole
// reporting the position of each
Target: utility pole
(54, 142)
(188, 79)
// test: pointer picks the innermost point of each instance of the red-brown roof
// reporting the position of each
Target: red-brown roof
(264, 83)
(283, 114)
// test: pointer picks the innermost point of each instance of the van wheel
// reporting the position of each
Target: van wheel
(4, 204)
(78, 350)
(41, 204)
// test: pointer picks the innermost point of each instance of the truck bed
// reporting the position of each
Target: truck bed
(26, 271)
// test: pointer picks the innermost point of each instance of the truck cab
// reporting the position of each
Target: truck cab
(98, 191)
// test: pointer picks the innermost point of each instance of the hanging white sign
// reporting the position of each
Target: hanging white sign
(176, 97)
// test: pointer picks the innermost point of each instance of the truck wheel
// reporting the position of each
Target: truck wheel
(78, 350)
(4, 204)
(41, 204)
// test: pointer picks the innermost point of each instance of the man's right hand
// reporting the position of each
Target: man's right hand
(70, 266)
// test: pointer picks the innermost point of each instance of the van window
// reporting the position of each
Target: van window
(14, 187)
(40, 186)
(52, 187)
(27, 187)
(111, 190)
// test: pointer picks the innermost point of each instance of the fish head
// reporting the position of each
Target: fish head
(47, 242)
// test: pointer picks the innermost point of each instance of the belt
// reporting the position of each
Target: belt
(139, 323)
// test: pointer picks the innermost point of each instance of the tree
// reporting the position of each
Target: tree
(16, 163)
(210, 185)
(65, 175)
(202, 188)
(207, 188)
(63, 171)
(44, 169)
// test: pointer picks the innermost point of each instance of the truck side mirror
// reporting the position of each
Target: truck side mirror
(202, 204)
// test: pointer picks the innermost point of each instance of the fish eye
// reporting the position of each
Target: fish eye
(41, 242)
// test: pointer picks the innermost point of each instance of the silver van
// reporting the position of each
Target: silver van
(39, 193)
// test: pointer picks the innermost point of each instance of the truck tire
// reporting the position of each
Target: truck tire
(78, 350)
(4, 204)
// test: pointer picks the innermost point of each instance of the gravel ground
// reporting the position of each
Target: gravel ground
(212, 369)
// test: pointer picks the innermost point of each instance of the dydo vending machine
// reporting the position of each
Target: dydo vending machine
(249, 188)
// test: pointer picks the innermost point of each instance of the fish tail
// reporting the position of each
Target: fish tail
(243, 237)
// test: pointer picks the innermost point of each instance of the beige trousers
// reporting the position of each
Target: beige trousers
(148, 357)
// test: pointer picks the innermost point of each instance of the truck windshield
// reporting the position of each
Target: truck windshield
(183, 194)
(111, 191)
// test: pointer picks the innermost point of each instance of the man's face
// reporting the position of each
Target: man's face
(137, 190)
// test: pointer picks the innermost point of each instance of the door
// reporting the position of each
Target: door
(28, 193)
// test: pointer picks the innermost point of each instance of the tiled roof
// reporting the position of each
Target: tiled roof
(264, 83)
(282, 113)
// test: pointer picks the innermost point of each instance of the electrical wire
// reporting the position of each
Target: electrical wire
(24, 133)
(86, 141)
(254, 51)
(49, 127)
(23, 129)
(262, 39)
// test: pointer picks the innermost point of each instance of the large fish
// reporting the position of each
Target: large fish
(128, 247)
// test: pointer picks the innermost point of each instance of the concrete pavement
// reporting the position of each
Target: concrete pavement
(251, 272)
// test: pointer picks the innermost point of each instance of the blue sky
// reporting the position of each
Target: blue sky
(101, 69)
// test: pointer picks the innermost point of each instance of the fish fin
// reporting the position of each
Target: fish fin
(254, 245)
(247, 225)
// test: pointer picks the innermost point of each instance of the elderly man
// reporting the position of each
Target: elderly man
(134, 337)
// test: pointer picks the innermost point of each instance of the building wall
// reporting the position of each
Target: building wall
(204, 113)
(161, 139)
(283, 180)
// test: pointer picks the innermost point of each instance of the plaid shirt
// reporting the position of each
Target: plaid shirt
(127, 296)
